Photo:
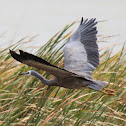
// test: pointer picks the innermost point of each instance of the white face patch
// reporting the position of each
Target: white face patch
(29, 72)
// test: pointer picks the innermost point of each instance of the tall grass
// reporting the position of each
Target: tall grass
(24, 100)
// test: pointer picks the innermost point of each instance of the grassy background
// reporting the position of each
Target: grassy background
(24, 100)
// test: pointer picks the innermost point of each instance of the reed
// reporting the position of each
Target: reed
(24, 100)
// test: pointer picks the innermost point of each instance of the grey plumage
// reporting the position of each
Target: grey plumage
(81, 58)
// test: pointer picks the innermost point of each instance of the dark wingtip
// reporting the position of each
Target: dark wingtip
(15, 56)
(82, 20)
(20, 51)
(85, 21)
(95, 20)
(11, 52)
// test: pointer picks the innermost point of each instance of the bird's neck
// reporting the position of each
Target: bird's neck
(45, 81)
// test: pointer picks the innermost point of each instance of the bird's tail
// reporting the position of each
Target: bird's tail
(96, 85)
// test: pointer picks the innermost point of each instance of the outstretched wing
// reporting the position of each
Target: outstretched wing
(39, 63)
(81, 50)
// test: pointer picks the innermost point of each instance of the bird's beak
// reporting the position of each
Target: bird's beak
(23, 73)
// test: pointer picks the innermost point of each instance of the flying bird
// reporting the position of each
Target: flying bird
(81, 58)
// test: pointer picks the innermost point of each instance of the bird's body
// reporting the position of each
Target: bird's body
(69, 82)
(81, 58)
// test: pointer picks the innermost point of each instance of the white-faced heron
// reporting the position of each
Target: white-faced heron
(81, 58)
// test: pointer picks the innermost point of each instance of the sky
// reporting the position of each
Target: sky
(20, 18)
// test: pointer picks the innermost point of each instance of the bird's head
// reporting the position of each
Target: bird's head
(30, 72)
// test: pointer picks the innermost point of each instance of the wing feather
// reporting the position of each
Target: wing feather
(37, 62)
(81, 50)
